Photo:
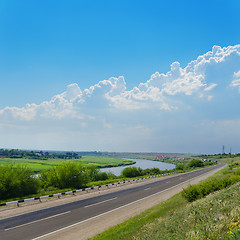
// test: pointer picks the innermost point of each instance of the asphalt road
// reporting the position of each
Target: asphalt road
(36, 224)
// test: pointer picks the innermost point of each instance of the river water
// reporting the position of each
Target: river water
(142, 163)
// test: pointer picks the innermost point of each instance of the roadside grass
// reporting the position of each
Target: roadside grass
(135, 225)
(38, 165)
(216, 216)
(198, 191)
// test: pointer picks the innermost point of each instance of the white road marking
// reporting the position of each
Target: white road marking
(78, 223)
(147, 188)
(100, 202)
(7, 229)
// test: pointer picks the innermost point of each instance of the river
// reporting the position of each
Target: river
(142, 163)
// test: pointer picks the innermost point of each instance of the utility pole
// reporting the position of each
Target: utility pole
(223, 151)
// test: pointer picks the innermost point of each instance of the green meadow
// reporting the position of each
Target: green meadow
(37, 165)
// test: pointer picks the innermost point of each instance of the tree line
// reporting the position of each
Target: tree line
(15, 153)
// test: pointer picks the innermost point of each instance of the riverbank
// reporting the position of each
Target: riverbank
(140, 163)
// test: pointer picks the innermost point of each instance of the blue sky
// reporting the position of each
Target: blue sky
(54, 56)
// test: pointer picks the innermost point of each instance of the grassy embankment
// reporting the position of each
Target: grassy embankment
(37, 165)
(216, 216)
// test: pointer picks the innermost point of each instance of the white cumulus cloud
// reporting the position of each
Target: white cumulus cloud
(172, 105)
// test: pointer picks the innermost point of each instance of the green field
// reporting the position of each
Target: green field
(38, 165)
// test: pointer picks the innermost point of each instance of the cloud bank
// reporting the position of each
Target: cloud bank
(191, 109)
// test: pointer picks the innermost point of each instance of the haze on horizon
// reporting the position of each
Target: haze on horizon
(120, 76)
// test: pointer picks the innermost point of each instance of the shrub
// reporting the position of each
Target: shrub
(233, 165)
(191, 193)
(237, 172)
(17, 181)
(93, 173)
(65, 175)
(96, 175)
(131, 172)
(102, 176)
(180, 166)
(111, 175)
(155, 171)
(194, 192)
(195, 163)
(207, 163)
